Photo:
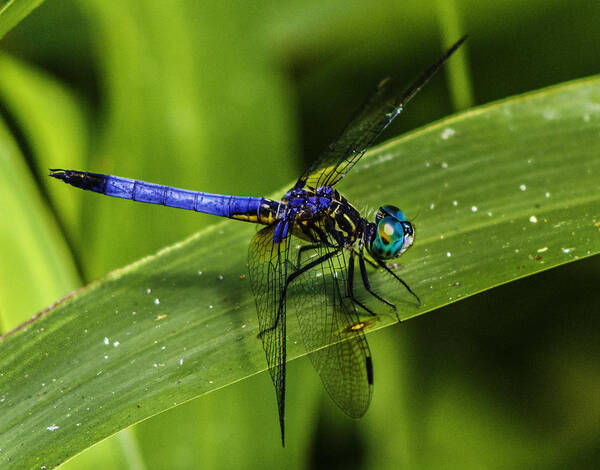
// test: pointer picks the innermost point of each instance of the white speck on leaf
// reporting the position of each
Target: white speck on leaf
(547, 194)
(384, 158)
(533, 219)
(156, 301)
(522, 187)
(52, 427)
(447, 133)
(106, 341)
(455, 203)
(116, 343)
(148, 291)
(444, 165)
(432, 206)
(474, 209)
(448, 254)
(542, 250)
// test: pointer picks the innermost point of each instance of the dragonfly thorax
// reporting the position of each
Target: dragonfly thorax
(309, 202)
(319, 215)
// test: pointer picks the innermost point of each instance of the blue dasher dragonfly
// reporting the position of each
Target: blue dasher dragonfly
(318, 279)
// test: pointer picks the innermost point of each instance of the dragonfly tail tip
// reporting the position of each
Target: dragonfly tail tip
(58, 173)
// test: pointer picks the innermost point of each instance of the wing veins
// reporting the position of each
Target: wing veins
(376, 114)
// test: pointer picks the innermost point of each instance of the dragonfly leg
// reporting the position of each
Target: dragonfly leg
(304, 248)
(302, 270)
(383, 265)
(289, 279)
(367, 284)
(351, 286)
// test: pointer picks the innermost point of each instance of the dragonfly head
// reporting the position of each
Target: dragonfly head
(393, 233)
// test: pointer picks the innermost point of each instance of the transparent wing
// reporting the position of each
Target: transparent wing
(364, 129)
(371, 120)
(331, 326)
(268, 267)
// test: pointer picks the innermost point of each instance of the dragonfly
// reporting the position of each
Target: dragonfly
(307, 253)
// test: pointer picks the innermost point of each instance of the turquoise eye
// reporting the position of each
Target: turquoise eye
(393, 233)
(391, 211)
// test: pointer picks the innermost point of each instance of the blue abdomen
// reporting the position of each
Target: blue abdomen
(126, 188)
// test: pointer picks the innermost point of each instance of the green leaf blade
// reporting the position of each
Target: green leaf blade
(32, 245)
(158, 333)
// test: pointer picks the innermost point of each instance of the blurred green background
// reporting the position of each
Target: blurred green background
(239, 97)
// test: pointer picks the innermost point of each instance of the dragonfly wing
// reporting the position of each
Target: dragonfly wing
(331, 329)
(268, 267)
(371, 120)
(363, 130)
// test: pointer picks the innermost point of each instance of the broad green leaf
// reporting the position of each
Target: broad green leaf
(497, 193)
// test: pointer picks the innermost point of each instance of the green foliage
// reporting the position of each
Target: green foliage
(503, 187)
(33, 246)
(217, 97)
(13, 11)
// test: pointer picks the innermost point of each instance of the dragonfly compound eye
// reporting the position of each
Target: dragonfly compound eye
(392, 237)
(389, 211)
